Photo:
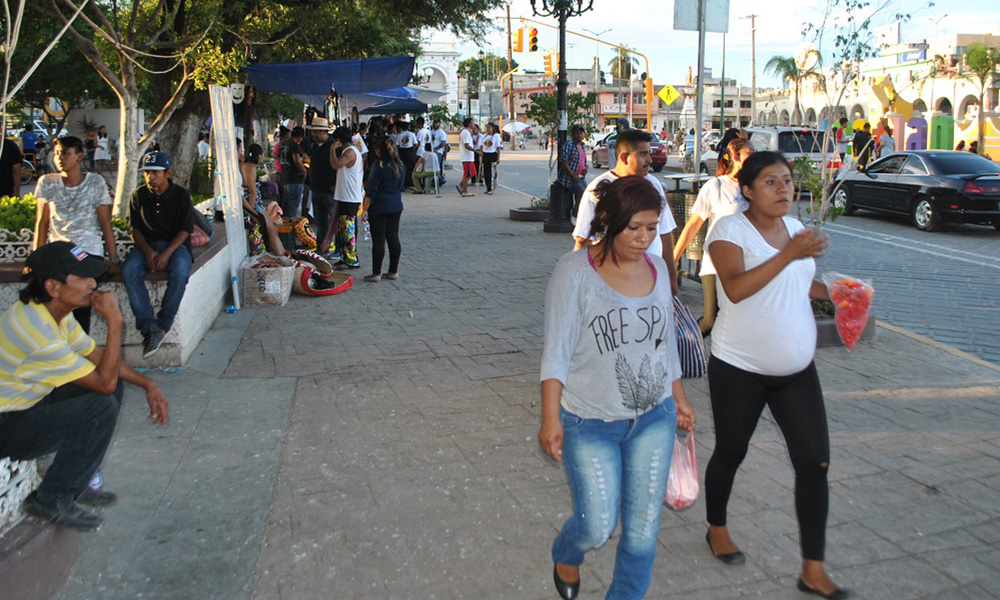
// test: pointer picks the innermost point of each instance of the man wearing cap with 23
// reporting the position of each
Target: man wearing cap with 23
(162, 220)
(59, 391)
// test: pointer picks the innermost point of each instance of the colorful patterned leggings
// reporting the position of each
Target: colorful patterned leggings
(347, 239)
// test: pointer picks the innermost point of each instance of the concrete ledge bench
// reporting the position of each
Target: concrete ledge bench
(206, 294)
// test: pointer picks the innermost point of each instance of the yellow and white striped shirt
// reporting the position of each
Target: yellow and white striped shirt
(38, 355)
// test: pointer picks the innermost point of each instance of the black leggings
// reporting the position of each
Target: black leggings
(796, 403)
(489, 160)
(385, 228)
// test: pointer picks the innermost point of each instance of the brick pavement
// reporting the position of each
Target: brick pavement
(381, 444)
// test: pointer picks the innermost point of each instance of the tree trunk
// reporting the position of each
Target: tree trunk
(129, 145)
(982, 121)
(179, 138)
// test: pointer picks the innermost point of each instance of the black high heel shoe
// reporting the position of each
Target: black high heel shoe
(567, 591)
(733, 558)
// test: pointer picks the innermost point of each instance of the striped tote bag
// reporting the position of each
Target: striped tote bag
(690, 347)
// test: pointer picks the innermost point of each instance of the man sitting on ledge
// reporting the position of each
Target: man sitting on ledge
(162, 220)
(59, 391)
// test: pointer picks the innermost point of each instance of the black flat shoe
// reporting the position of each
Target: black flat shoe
(837, 594)
(567, 591)
(733, 558)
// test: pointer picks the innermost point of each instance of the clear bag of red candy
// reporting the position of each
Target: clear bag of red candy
(682, 484)
(852, 300)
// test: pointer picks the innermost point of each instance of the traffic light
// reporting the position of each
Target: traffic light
(649, 89)
(518, 41)
(533, 40)
(548, 65)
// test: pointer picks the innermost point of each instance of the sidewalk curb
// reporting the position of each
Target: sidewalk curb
(939, 345)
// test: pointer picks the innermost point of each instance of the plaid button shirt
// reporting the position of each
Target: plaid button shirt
(571, 155)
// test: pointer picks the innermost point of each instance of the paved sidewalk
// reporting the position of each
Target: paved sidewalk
(381, 444)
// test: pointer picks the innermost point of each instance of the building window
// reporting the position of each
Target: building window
(745, 104)
(521, 96)
(716, 103)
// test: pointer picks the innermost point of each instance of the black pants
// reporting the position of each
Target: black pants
(385, 228)
(71, 421)
(796, 403)
(489, 159)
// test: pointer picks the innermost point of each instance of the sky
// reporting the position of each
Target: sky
(647, 26)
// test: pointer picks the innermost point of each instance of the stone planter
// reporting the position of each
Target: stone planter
(827, 336)
(528, 214)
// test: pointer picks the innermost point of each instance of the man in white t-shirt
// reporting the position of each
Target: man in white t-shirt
(467, 156)
(203, 145)
(439, 141)
(633, 159)
(349, 193)
(423, 135)
(74, 206)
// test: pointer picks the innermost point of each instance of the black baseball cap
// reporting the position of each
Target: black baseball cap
(57, 259)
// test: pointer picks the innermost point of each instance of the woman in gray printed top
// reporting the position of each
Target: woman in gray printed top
(612, 396)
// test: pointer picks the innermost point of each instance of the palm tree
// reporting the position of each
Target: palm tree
(623, 64)
(793, 70)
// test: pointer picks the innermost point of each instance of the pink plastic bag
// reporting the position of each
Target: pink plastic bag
(682, 485)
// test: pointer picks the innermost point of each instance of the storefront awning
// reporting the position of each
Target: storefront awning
(311, 82)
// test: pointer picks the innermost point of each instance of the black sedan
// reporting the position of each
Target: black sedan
(933, 187)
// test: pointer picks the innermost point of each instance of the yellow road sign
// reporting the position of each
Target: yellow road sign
(668, 94)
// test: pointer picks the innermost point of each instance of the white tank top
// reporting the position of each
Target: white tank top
(350, 180)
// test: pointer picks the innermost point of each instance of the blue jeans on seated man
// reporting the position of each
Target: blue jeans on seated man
(134, 273)
(441, 156)
(617, 467)
(75, 423)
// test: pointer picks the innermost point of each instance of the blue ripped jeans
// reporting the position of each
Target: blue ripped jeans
(617, 468)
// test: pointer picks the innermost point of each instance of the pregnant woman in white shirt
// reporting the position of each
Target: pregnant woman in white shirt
(762, 355)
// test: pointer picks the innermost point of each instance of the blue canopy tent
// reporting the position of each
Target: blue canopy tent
(397, 106)
(311, 82)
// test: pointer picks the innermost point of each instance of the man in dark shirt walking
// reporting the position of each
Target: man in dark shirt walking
(161, 218)
(861, 145)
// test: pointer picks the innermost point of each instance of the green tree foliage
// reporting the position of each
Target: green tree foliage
(980, 68)
(543, 110)
(440, 111)
(490, 66)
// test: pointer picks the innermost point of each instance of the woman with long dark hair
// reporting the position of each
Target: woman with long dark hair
(384, 206)
(259, 223)
(762, 355)
(611, 388)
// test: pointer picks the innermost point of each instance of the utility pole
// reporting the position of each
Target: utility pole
(753, 67)
(722, 102)
(510, 67)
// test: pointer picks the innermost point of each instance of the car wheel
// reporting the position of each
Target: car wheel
(842, 199)
(593, 161)
(924, 215)
(996, 226)
(658, 168)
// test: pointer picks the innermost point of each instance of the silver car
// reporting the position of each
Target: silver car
(790, 141)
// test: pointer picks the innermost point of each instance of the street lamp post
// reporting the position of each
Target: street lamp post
(597, 73)
(558, 220)
(479, 92)
(934, 61)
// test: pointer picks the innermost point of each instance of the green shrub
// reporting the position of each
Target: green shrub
(17, 213)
